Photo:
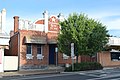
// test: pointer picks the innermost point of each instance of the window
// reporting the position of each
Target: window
(39, 49)
(39, 52)
(115, 56)
(29, 52)
(29, 49)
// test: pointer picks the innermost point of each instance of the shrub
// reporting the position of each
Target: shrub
(85, 66)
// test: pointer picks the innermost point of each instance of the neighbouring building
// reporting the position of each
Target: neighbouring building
(4, 37)
(35, 43)
(111, 57)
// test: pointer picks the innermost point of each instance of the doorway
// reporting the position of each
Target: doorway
(52, 54)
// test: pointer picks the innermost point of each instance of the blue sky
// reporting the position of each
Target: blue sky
(106, 11)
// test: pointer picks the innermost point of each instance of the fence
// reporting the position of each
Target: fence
(10, 63)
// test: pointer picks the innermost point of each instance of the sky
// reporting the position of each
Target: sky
(105, 11)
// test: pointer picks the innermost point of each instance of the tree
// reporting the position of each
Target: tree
(88, 35)
(98, 39)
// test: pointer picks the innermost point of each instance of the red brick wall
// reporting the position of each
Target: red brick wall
(51, 35)
(105, 59)
(13, 45)
(63, 61)
(35, 61)
(85, 58)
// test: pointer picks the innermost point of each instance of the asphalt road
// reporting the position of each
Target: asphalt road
(109, 74)
(62, 76)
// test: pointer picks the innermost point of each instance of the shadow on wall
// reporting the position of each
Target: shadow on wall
(6, 52)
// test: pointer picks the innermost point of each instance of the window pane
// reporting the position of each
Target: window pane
(39, 49)
(29, 49)
(115, 55)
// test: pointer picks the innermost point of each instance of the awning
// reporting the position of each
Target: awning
(35, 39)
(52, 41)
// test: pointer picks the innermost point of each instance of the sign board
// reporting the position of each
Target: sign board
(72, 55)
(72, 50)
(53, 24)
(56, 49)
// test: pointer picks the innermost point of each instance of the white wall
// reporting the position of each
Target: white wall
(4, 40)
(114, 41)
(10, 63)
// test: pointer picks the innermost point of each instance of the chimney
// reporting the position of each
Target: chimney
(3, 20)
(16, 23)
(11, 33)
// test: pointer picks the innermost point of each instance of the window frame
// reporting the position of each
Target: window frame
(29, 46)
(40, 55)
(39, 50)
(115, 56)
(29, 56)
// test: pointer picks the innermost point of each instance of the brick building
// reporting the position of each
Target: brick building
(35, 43)
(111, 57)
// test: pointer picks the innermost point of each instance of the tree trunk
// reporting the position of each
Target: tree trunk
(90, 58)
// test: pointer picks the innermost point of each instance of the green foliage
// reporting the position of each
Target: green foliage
(88, 35)
(85, 66)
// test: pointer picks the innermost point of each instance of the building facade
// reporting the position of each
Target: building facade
(4, 37)
(111, 57)
(35, 43)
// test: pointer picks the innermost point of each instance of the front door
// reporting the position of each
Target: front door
(52, 53)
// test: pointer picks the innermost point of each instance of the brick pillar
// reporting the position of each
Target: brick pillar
(16, 23)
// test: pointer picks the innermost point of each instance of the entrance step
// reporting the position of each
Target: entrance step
(58, 68)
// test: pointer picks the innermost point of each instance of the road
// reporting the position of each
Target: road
(109, 74)
(62, 76)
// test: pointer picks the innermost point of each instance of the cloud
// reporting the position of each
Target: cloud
(110, 19)
(113, 24)
(101, 15)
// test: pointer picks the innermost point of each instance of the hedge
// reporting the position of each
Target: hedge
(85, 66)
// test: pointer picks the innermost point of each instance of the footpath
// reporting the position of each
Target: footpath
(31, 72)
(51, 70)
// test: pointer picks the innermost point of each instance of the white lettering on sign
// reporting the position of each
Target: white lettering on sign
(53, 24)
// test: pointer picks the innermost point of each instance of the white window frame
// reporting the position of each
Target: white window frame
(40, 56)
(29, 56)
(65, 56)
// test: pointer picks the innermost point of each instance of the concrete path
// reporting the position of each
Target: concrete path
(31, 72)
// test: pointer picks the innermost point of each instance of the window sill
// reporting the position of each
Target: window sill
(40, 57)
(65, 56)
(29, 56)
